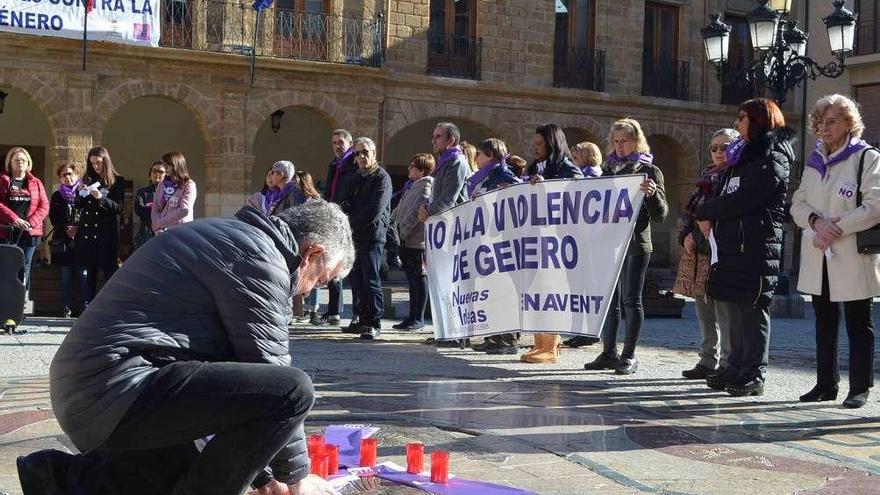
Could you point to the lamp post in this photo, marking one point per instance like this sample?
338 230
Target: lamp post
780 47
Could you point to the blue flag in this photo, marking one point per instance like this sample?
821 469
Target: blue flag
262 4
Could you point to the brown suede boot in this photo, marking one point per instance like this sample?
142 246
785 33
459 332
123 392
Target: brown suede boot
549 350
539 337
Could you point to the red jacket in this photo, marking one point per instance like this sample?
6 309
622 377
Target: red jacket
36 212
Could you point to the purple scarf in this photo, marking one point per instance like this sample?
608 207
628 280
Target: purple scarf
273 196
169 187
591 171
339 162
69 192
734 151
817 161
484 172
632 157
446 157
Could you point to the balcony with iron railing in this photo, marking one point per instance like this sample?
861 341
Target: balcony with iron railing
666 78
580 69
454 56
228 26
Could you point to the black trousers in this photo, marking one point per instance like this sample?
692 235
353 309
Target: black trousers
859 316
418 283
334 291
366 284
749 336
255 413
630 286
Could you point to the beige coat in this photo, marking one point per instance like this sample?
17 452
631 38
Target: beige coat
851 276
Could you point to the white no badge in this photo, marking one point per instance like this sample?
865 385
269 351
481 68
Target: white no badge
847 191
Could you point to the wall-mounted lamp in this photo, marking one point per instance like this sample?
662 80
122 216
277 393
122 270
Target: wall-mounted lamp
3 95
276 120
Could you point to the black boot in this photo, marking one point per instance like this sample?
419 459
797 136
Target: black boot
604 361
698 372
746 386
855 400
820 393
720 378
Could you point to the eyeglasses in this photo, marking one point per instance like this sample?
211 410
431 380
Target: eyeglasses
363 153
828 122
718 147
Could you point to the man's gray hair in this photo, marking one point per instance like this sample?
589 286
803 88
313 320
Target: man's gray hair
451 129
319 222
342 132
367 142
727 133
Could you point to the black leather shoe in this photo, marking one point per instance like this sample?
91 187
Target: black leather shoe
482 346
580 341
603 362
856 400
719 379
353 327
746 388
370 333
820 393
627 366
501 349
404 325
698 372
44 472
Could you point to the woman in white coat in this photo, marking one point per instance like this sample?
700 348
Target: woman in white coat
832 270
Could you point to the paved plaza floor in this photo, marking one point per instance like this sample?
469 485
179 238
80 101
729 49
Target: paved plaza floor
552 429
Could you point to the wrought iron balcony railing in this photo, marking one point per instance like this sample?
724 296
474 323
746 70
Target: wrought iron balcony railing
667 78
582 69
454 56
228 26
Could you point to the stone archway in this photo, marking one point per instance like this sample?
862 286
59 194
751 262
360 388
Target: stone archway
673 160
320 104
303 138
23 123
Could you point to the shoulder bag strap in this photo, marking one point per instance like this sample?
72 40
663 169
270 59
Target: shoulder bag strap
859 175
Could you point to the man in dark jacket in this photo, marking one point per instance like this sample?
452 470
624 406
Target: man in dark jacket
369 212
337 189
189 339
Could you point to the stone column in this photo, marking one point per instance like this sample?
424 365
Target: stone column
74 134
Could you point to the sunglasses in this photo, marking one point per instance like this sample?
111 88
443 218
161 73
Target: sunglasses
363 153
718 147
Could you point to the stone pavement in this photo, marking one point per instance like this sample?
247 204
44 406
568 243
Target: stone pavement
553 429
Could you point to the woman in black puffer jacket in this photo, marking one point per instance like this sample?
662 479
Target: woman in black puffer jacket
746 222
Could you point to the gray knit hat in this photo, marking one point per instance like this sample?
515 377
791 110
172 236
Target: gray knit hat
286 168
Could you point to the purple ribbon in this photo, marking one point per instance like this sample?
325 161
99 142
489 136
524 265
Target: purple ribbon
734 150
632 157
69 192
817 161
592 171
482 173
446 157
455 486
169 187
340 162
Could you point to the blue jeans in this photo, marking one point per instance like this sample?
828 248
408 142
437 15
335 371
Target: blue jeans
70 275
418 283
311 300
334 291
629 288
28 259
366 284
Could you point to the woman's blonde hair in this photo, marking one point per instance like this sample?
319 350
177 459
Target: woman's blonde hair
589 152
850 111
632 129
470 153
12 152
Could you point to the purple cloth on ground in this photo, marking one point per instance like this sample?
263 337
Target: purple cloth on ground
455 486
348 438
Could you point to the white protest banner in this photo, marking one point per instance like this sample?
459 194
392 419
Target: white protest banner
531 258
133 22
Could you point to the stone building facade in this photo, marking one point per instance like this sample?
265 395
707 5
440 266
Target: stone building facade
504 56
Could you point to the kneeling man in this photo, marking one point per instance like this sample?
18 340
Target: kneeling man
189 340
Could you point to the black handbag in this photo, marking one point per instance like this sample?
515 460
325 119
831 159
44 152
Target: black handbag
867 241
59 246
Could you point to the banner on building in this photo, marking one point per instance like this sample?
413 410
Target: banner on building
122 21
531 258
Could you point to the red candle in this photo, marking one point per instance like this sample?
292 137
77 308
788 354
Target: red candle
368 451
439 466
319 465
415 457
316 444
332 452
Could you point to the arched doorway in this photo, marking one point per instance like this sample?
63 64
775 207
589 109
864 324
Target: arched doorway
22 123
416 138
575 135
303 137
139 133
671 158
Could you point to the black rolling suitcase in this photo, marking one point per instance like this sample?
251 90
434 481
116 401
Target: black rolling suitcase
12 290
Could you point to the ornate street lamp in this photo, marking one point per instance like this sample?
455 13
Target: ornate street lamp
781 63
276 120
